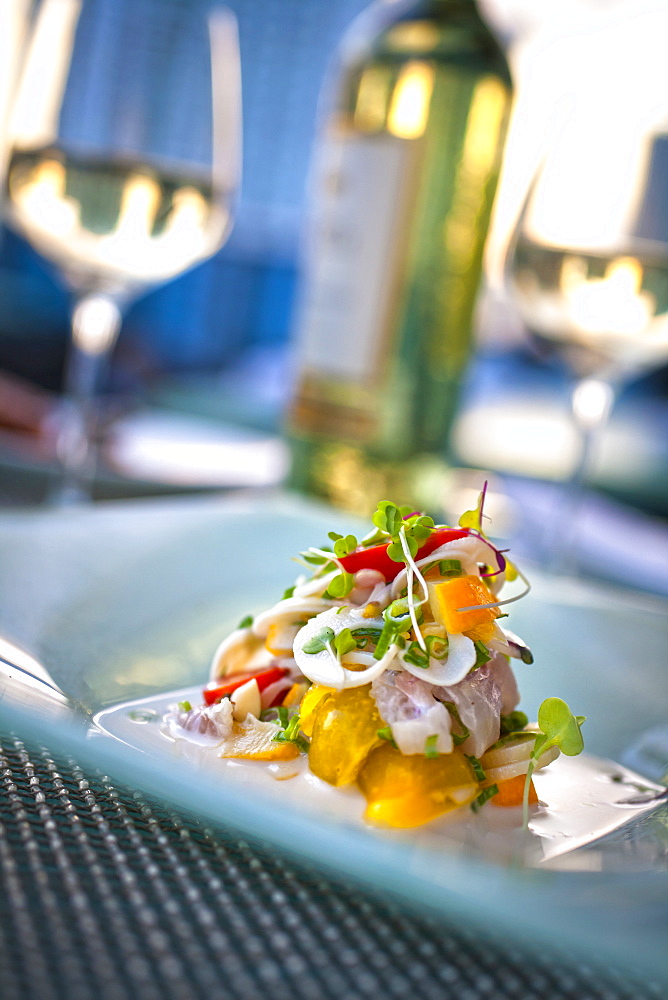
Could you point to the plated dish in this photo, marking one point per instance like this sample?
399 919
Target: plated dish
387 666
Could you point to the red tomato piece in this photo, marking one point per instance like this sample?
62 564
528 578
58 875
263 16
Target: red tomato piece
264 678
376 557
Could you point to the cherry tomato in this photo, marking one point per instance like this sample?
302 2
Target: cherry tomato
376 557
264 678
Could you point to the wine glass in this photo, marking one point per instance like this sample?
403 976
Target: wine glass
122 168
588 272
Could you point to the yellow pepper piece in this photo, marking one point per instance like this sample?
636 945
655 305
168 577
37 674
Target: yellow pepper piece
345 730
294 695
253 740
406 791
447 597
280 639
309 704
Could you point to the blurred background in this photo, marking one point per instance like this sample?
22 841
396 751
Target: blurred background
203 369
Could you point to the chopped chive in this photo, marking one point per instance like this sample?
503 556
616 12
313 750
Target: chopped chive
477 767
485 795
386 734
430 750
482 654
450 567
457 738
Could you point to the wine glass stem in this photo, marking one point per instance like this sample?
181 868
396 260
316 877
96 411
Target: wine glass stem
96 322
592 400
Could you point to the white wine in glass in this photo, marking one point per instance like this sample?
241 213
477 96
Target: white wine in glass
122 170
588 272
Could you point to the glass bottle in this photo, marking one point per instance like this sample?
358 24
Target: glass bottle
404 175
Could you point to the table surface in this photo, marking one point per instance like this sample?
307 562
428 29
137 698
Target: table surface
108 895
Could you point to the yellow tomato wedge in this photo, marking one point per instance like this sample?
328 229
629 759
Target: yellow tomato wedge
309 704
448 596
406 791
344 731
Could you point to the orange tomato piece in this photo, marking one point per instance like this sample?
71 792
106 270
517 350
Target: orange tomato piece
448 596
511 792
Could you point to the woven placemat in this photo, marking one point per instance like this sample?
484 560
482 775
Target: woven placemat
108 895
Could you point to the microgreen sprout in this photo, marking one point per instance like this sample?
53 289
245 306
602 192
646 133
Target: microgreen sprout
289 732
246 622
340 586
397 620
343 544
319 640
472 519
344 642
558 728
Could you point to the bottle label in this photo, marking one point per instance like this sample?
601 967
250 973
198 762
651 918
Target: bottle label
354 254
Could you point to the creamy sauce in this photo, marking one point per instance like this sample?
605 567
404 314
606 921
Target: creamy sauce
581 799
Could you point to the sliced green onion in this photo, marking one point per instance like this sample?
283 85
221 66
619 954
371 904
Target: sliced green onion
457 738
485 795
478 769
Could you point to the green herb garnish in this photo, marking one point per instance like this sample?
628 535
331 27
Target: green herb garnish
457 738
450 568
185 706
430 751
246 622
363 636
482 654
343 545
288 593
513 723
289 732
559 728
478 769
344 642
319 640
397 620
340 586
386 734
485 795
